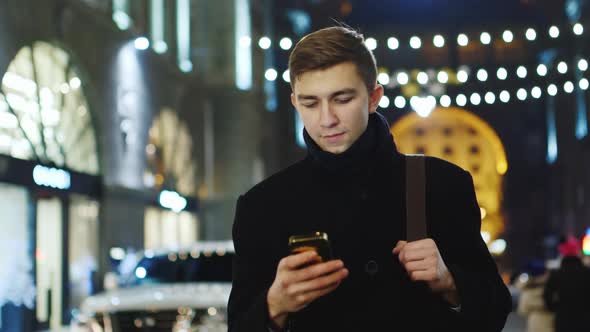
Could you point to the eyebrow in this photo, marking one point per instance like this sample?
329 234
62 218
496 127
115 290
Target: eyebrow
348 91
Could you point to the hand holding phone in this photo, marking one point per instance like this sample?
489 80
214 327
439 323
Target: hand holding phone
301 279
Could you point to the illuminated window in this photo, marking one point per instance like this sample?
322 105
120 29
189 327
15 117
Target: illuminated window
170 161
44 115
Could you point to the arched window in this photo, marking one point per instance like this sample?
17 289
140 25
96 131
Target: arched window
44 114
170 155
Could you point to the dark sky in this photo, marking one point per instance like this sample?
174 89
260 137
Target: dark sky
456 12
432 14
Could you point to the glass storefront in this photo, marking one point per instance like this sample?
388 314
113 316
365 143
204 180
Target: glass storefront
49 245
48 257
83 249
17 289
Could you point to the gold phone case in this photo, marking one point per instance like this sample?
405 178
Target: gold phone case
317 241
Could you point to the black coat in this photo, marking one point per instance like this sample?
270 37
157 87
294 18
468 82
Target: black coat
364 215
567 293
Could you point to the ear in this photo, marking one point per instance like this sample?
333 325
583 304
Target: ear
375 97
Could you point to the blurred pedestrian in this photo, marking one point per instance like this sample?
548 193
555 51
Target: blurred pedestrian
567 292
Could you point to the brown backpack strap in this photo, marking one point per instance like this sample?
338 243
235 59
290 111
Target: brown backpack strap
415 197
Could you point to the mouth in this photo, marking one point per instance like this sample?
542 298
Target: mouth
333 136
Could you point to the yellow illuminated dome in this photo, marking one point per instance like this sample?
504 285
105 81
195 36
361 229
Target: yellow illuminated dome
466 140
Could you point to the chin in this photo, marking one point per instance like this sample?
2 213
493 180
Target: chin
336 149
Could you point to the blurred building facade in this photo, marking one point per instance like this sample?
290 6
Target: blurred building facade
111 143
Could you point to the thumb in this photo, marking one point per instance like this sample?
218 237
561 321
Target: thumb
399 246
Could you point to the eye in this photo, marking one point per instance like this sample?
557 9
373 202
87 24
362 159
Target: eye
343 100
310 105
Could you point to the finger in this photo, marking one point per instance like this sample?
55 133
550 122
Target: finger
399 246
421 244
428 275
323 282
315 271
304 299
415 266
293 262
414 255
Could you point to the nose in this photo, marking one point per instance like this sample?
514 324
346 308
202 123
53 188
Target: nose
328 118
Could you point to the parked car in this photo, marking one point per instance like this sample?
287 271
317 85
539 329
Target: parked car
169 290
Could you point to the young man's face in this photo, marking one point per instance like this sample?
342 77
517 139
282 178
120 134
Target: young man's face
334 105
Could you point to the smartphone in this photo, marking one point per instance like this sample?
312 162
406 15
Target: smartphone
317 241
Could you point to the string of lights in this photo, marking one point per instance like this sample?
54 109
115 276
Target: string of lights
474 98
431 87
489 97
461 76
438 40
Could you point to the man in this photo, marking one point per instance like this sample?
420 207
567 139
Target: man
352 187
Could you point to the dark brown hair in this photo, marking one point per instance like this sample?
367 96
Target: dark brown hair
331 46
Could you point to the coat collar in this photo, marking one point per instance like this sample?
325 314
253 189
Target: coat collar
375 145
